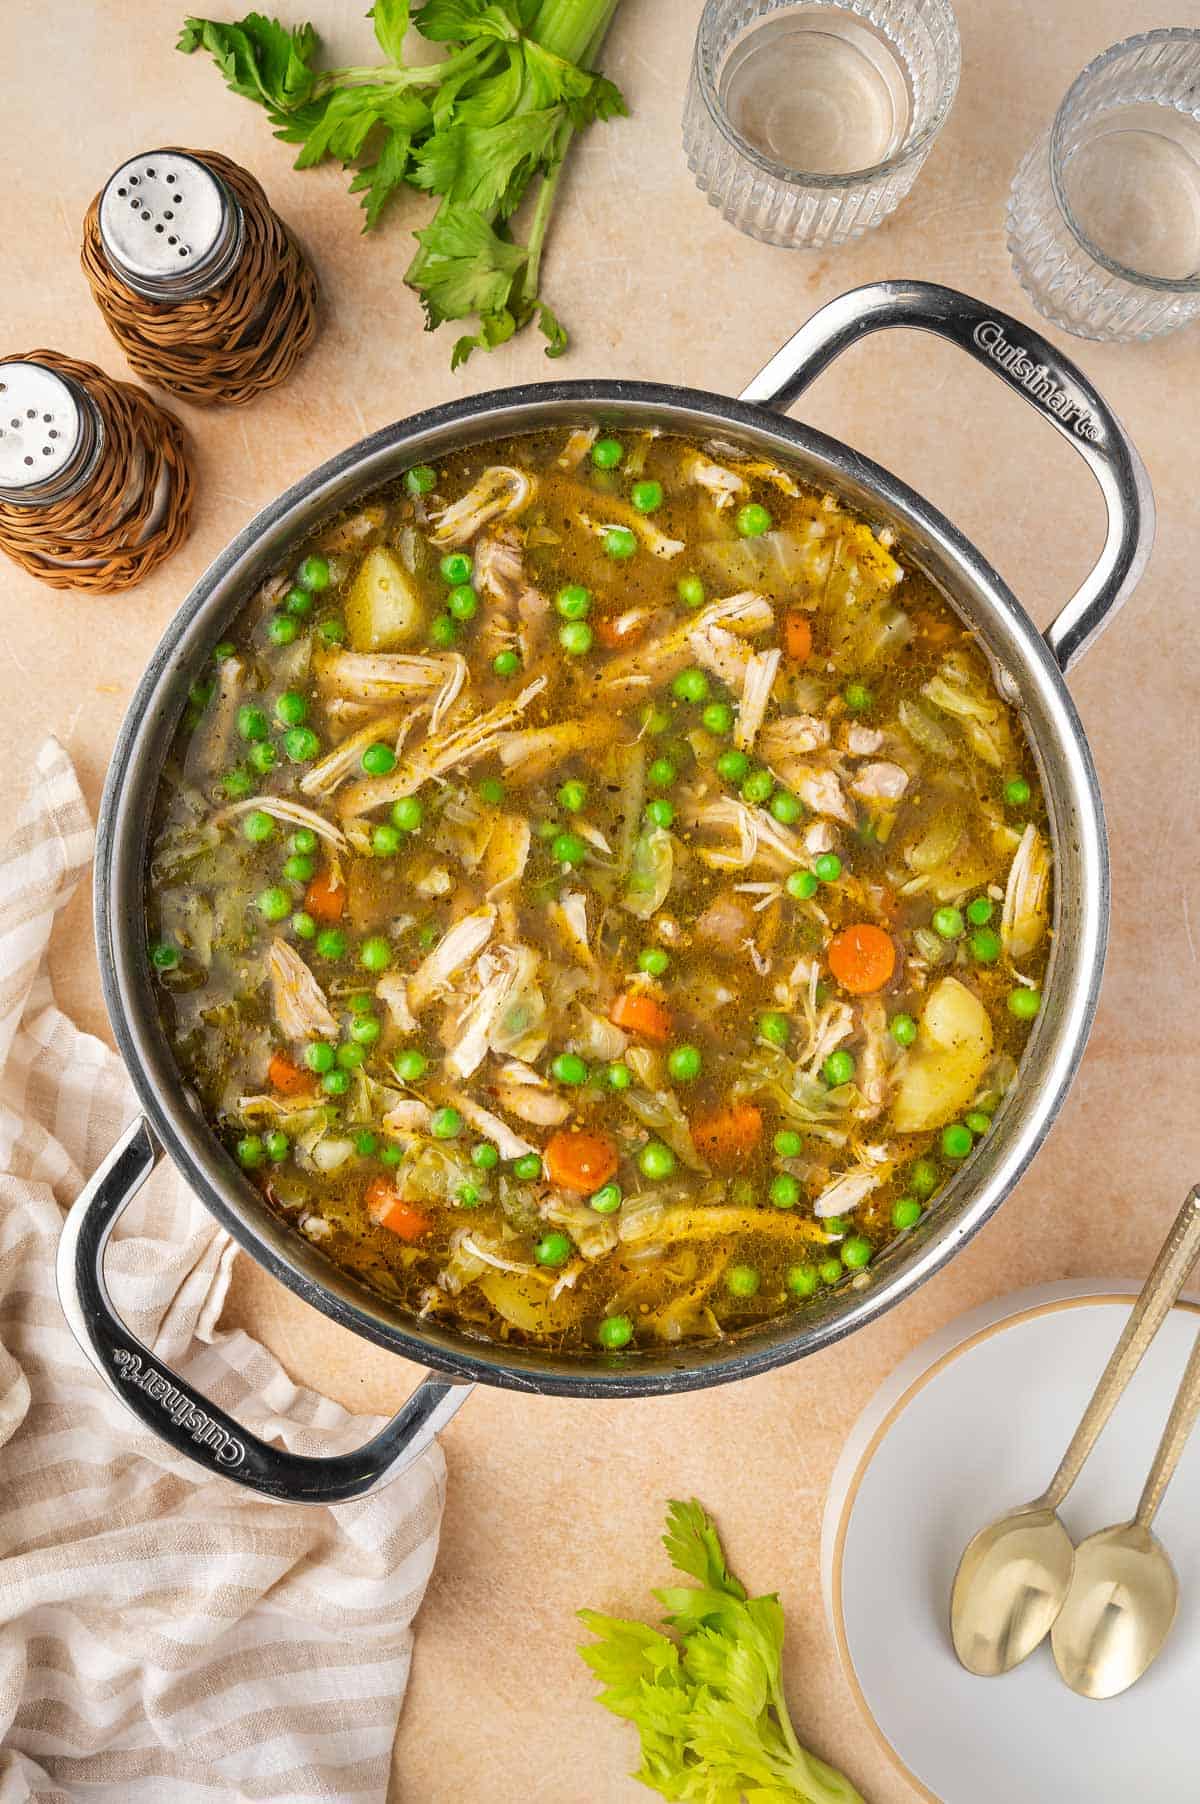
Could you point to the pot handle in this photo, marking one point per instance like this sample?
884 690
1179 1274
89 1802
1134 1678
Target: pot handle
1031 365
168 1405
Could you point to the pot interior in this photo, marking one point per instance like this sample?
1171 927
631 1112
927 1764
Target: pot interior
1024 671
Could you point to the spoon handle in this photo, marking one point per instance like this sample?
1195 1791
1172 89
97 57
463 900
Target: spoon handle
1180 1423
1167 1278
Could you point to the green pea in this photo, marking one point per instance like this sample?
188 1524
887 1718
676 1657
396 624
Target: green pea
830 1270
985 945
528 1168
569 1068
319 1056
948 922
332 631
1024 1004
301 744
838 1069
378 759
410 1065
386 840
237 783
366 1143
802 1280
467 1196
619 1077
250 1151
331 942
828 867
758 786
606 1200
654 719
568 848
977 1121
407 814
573 602
661 774
335 1083
717 718
455 568
252 723
619 543
742 1281
462 602
258 827
656 1160
282 629
575 637
445 1124
957 1140
420 480
278 1145
690 686
303 840
365 1030
774 1028
314 573
690 591
291 708
857 697
786 807
834 1225
607 453
375 954
1017 792
226 649
303 925
923 1178
646 496
428 936
298 601
732 766
653 960
484 1156
660 813
361 1003
615 1331
785 1190
443 631
788 1144
801 884
164 956
980 911
299 870
391 1154
906 1213
903 1029
506 663
856 1253
350 1056
753 520
684 1063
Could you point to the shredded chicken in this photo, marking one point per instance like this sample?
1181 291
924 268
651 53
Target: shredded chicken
844 1195
508 1143
501 490
324 777
392 991
862 742
579 443
659 657
757 838
457 947
381 676
756 693
463 746
879 783
282 809
795 736
621 514
525 1093
723 485
530 753
1025 915
296 997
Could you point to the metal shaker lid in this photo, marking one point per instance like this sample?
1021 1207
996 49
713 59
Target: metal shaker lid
169 226
50 434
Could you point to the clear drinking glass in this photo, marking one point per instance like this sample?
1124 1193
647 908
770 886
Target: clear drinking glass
1104 213
807 124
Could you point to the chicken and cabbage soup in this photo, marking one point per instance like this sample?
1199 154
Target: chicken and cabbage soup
597 892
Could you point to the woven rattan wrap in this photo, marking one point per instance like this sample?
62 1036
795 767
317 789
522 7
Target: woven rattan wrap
97 522
228 345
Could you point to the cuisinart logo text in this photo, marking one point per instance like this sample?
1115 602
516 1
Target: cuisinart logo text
1035 379
182 1411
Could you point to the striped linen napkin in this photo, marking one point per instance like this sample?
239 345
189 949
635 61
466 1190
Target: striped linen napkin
164 1637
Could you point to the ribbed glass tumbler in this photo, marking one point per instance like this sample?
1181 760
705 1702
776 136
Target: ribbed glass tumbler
1104 213
806 125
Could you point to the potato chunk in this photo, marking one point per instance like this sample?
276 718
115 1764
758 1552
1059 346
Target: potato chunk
953 1046
383 609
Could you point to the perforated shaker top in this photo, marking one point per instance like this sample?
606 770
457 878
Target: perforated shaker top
49 434
170 227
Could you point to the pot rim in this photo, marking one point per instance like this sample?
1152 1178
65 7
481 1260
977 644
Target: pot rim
1027 674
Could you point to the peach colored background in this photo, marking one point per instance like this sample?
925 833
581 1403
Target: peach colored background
553 1504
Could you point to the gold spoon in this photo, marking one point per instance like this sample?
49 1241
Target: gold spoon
1015 1574
1123 1595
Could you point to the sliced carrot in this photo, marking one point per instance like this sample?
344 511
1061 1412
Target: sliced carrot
324 898
388 1209
640 1014
288 1079
580 1160
862 957
797 636
726 1135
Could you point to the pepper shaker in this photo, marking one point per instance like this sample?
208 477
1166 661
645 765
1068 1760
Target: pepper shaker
199 280
95 488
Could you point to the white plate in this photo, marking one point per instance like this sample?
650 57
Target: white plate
973 1423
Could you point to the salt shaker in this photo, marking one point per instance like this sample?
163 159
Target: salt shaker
95 488
199 280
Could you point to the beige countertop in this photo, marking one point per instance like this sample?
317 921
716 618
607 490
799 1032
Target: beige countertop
555 1504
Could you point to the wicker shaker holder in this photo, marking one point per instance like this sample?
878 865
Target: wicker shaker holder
200 282
95 488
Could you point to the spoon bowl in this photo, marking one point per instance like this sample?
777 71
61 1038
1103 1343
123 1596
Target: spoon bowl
1119 1611
1011 1584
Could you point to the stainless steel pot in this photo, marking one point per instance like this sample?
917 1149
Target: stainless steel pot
1029 668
